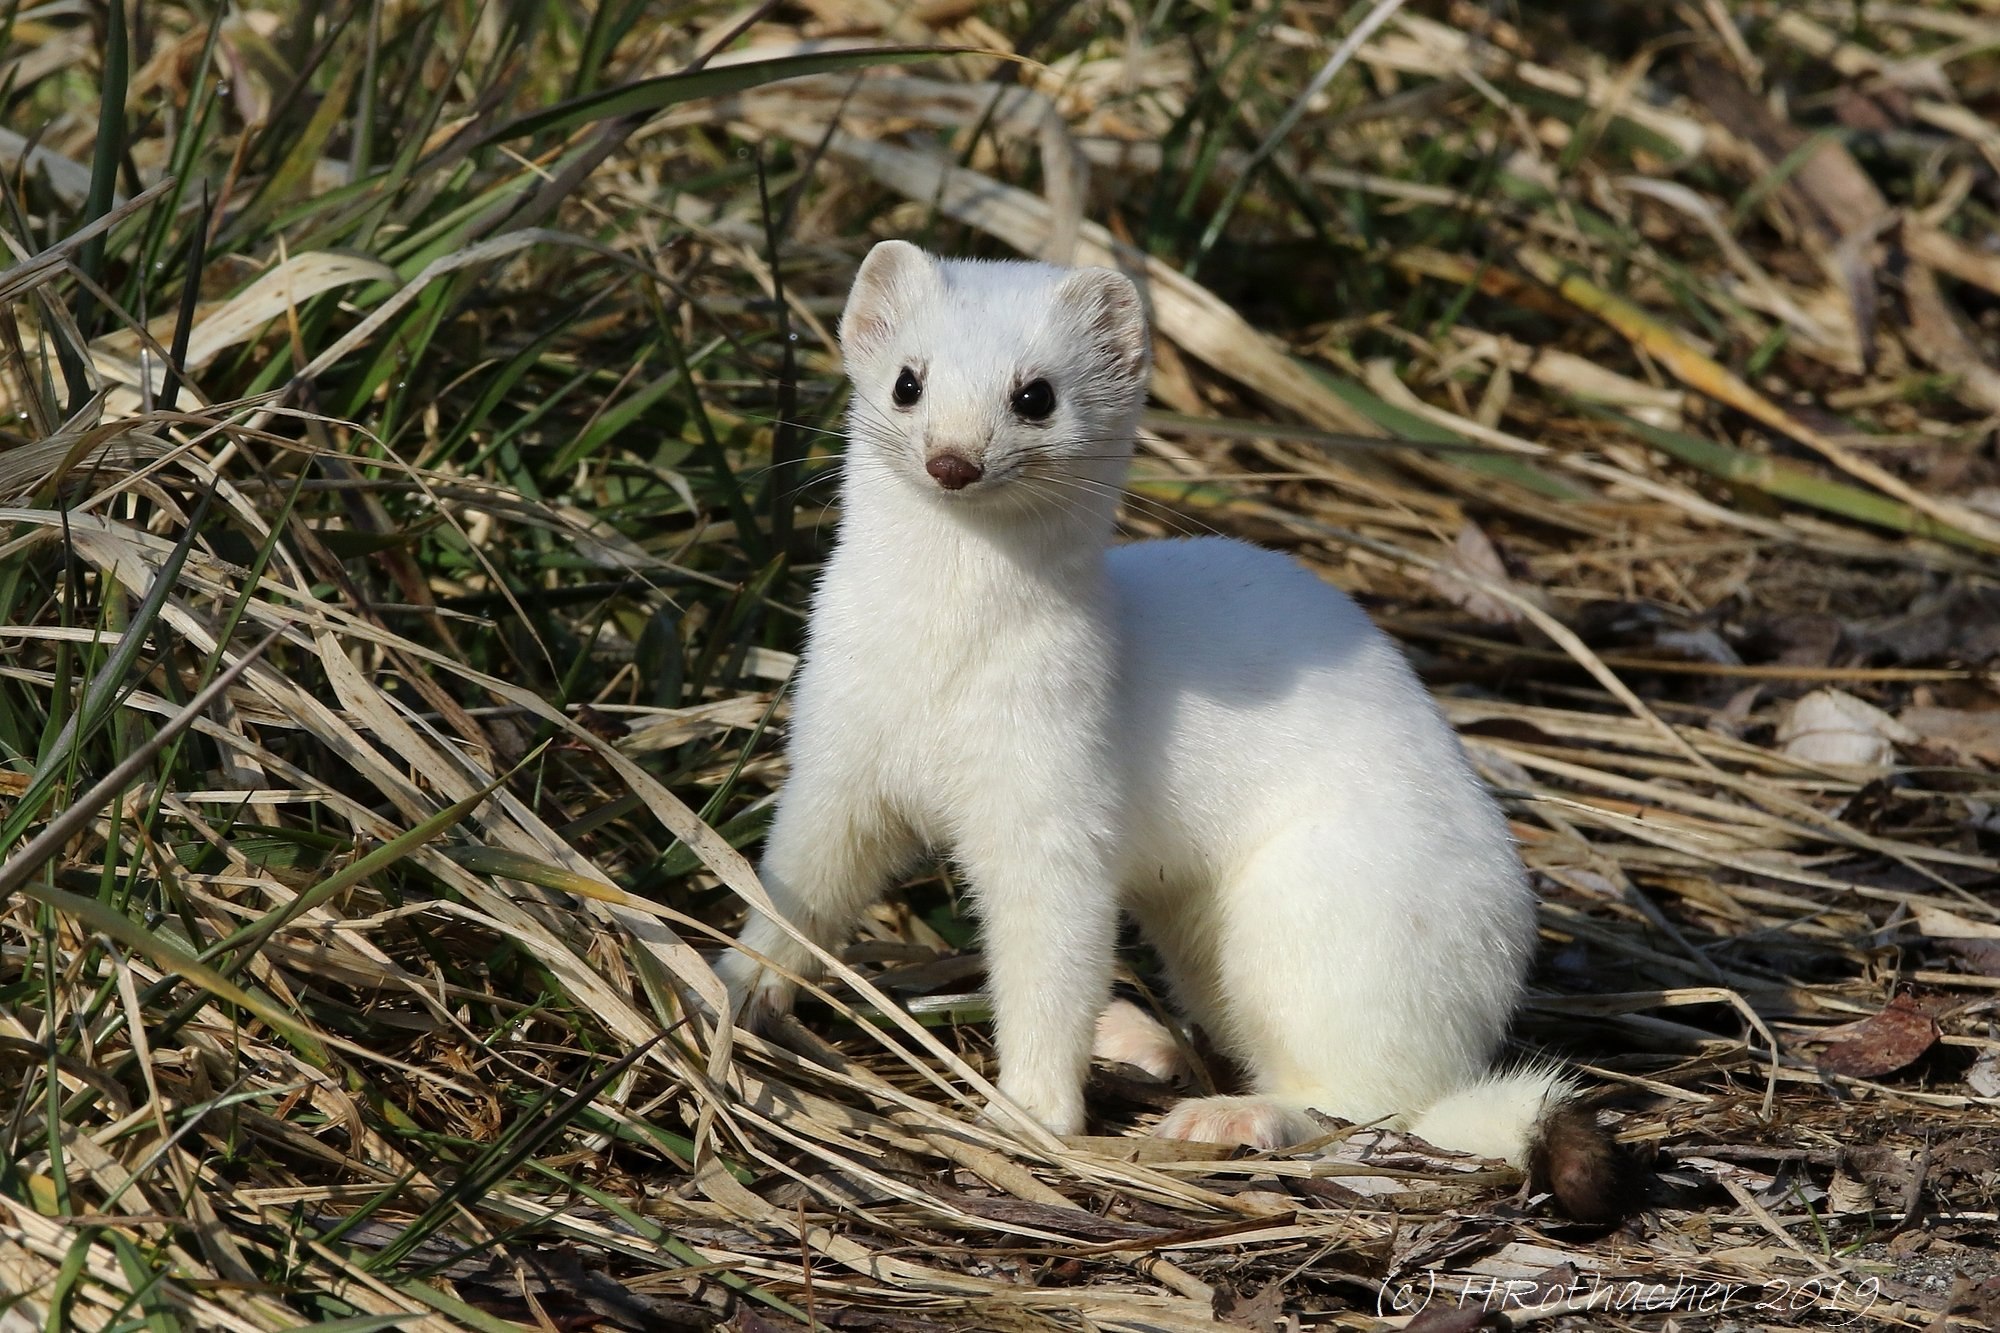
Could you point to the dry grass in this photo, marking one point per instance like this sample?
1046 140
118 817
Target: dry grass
1636 367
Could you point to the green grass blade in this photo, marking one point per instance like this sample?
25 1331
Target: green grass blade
191 270
1407 425
63 1291
244 942
1784 480
106 156
17 872
100 697
109 150
646 96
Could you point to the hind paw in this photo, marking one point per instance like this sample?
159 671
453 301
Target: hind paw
1251 1121
1127 1034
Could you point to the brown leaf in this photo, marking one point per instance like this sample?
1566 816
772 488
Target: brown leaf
1974 736
1474 557
1260 1311
1858 111
1979 957
1804 639
1975 955
1961 625
1882 1044
1979 1298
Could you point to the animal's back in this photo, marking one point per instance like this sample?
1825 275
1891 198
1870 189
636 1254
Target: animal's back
1333 889
1252 693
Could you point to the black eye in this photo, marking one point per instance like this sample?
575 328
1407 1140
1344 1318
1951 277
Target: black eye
1034 400
908 388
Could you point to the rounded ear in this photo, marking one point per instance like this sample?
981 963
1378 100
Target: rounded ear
893 275
1110 311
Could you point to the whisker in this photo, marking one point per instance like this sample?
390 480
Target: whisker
1185 524
794 424
831 474
763 470
1039 486
1050 483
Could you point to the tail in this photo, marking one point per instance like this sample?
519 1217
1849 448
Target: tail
1529 1118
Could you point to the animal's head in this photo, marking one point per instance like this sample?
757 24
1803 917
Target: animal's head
1000 385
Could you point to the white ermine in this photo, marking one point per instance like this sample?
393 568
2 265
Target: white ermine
1200 733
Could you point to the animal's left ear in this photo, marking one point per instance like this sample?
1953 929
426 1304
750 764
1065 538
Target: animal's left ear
891 279
1109 309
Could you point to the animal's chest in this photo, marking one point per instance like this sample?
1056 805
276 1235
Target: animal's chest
962 736
949 720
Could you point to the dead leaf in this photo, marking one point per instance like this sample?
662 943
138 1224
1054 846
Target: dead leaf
1984 1075
1973 736
1961 625
1882 1044
1833 727
1261 1311
1474 559
1978 1299
1804 639
1842 212
1978 957
1973 945
1858 111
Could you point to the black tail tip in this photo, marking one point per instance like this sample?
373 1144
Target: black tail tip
1593 1179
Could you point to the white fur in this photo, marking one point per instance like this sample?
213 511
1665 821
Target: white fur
1199 732
1495 1116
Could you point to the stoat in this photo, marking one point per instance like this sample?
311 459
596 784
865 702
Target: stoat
1200 733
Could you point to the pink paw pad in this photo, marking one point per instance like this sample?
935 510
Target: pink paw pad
1250 1121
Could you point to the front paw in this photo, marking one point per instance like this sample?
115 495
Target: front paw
1057 1110
757 995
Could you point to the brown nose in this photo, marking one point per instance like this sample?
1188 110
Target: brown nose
952 471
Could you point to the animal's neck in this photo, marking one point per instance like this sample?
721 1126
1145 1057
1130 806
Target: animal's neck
972 554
